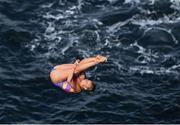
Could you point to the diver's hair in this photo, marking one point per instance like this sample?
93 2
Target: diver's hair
93 87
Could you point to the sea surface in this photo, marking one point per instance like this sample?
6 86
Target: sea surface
140 83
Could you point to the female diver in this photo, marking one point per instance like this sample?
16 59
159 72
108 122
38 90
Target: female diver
72 78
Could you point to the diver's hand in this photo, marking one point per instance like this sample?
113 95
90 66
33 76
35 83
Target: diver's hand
76 65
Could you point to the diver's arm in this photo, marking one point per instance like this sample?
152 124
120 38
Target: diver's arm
70 76
76 87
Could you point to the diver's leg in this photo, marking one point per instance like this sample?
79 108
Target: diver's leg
70 66
87 60
85 66
65 66
92 59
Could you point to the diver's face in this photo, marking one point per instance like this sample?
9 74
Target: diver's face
86 84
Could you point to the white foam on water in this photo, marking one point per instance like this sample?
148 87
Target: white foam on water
113 28
112 1
174 67
146 69
52 34
56 17
150 2
97 21
106 42
131 1
97 34
120 66
154 70
147 54
144 23
175 4
169 31
141 70
50 28
69 12
80 4
47 5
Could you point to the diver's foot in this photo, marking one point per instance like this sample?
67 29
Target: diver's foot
101 59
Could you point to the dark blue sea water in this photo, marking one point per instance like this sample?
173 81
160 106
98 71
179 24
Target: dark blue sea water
140 83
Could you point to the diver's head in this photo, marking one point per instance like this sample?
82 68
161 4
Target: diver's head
87 85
